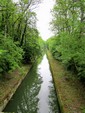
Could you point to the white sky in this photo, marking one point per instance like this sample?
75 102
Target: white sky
44 17
15 0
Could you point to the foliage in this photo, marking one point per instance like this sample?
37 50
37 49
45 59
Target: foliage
41 45
68 43
11 54
53 45
19 38
71 51
33 47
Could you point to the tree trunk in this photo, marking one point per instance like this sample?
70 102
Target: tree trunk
23 34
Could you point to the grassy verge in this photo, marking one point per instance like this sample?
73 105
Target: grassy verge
9 86
71 93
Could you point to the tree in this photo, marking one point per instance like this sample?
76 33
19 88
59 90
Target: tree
19 37
68 24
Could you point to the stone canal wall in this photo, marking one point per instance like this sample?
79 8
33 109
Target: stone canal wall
7 96
69 90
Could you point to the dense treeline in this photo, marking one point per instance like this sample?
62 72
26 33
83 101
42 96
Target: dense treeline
68 44
19 38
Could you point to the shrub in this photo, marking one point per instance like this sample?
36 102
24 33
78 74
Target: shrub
31 50
10 56
70 49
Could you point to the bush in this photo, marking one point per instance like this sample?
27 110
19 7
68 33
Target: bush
10 56
73 54
70 49
31 50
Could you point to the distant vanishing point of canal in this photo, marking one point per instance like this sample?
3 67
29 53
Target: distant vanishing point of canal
36 94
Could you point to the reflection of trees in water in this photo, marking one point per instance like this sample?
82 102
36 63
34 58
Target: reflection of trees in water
53 103
25 99
29 101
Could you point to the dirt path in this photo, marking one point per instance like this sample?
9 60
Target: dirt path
71 93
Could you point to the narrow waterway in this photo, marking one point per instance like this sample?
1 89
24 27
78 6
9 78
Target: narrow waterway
36 94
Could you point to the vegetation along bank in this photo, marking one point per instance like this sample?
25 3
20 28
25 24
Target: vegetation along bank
20 43
68 49
70 91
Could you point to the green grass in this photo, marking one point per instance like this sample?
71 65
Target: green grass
71 93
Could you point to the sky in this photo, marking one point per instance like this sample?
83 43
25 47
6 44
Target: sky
44 18
15 0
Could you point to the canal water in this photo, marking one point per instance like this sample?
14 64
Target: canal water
36 94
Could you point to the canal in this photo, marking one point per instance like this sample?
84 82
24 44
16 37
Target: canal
36 94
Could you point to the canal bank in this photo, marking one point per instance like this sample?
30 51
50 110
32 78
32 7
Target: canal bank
36 94
9 86
70 92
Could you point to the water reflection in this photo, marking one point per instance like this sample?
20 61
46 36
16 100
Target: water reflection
25 99
46 104
53 104
36 94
